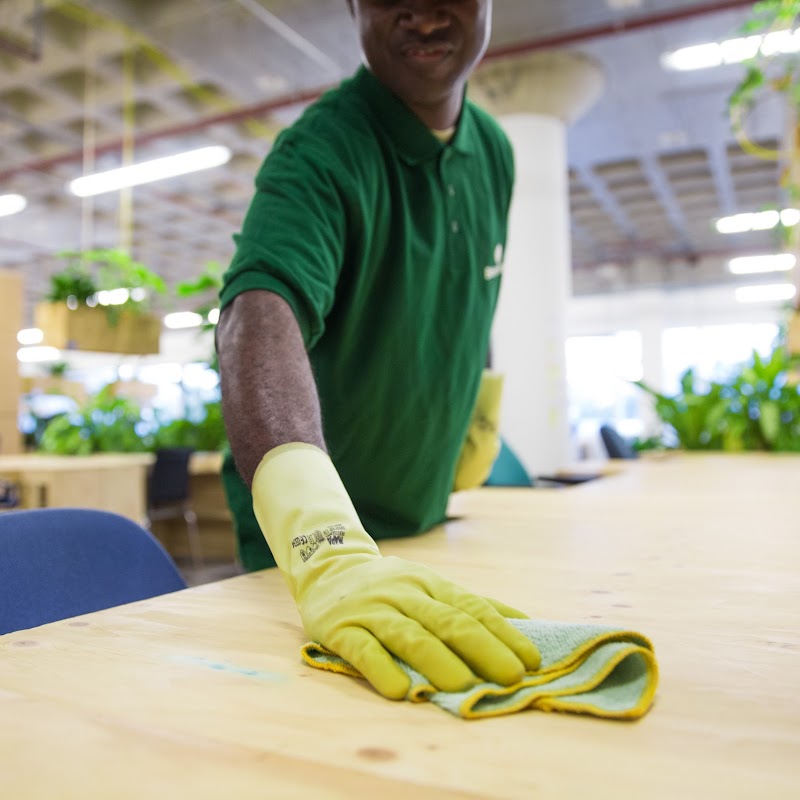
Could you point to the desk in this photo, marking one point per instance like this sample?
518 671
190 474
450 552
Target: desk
110 482
201 694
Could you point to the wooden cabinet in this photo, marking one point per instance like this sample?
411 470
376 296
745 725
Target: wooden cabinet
11 290
109 482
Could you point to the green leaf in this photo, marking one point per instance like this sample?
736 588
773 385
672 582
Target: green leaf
770 421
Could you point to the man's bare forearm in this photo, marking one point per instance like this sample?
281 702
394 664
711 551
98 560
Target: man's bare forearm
269 396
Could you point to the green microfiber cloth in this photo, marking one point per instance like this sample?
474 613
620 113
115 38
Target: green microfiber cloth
585 669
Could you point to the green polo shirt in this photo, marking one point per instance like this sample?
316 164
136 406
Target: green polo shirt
388 246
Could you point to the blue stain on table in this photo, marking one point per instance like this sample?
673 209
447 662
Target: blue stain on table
229 669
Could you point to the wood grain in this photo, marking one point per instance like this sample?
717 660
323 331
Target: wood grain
202 694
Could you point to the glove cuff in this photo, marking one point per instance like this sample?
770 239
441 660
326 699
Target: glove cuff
306 514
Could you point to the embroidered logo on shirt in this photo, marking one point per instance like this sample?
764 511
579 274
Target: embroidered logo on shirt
496 269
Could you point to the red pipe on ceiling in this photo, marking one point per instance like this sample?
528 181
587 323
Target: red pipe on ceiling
614 28
286 101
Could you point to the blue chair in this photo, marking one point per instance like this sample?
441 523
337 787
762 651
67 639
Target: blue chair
168 494
61 562
615 445
508 470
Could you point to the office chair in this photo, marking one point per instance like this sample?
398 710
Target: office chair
57 563
168 494
615 445
9 494
508 470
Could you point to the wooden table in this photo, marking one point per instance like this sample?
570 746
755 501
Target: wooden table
202 694
108 481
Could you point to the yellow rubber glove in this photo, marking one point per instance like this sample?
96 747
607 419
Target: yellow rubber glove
482 444
365 607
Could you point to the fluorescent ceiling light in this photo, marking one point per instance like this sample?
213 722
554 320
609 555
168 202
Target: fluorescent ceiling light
34 355
183 319
11 204
29 336
150 171
699 56
758 221
751 265
768 293
213 316
113 297
790 217
732 51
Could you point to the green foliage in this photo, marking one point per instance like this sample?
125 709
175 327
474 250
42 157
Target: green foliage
109 424
770 14
58 369
783 73
75 280
205 433
105 424
206 288
758 408
209 281
90 271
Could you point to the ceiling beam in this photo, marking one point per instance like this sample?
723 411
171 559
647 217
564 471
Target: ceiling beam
258 110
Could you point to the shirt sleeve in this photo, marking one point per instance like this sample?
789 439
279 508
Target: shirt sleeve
292 241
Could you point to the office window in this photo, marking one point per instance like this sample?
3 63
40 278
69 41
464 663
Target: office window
713 351
599 374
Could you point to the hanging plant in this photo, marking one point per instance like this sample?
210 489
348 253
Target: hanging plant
206 288
764 73
75 316
89 272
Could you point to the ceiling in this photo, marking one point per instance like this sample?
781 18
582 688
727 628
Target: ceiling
85 84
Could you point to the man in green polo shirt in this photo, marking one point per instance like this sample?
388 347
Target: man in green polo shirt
359 303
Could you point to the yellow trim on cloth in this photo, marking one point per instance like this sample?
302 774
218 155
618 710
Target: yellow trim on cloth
585 669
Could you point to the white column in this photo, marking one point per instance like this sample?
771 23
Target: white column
535 97
530 327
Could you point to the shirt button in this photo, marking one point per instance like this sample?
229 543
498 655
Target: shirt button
454 226
451 190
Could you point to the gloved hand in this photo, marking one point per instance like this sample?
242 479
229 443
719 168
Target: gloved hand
365 607
482 445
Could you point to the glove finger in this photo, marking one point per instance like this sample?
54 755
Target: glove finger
473 636
410 640
492 618
370 658
504 610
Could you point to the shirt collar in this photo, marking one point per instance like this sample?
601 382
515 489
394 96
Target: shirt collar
414 141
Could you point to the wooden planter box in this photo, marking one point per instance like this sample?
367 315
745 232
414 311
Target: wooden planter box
793 333
89 329
47 384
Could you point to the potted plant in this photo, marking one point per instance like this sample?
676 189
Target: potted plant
203 430
104 424
756 408
74 316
